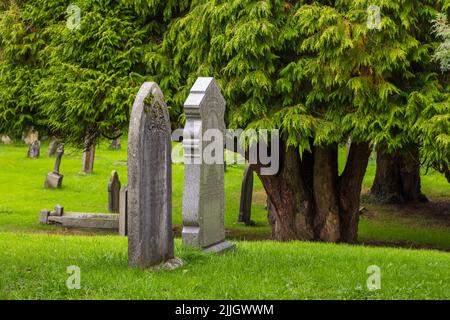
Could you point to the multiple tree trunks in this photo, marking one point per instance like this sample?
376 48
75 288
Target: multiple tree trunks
308 200
397 179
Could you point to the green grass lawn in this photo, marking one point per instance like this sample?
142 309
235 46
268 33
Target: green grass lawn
33 266
34 257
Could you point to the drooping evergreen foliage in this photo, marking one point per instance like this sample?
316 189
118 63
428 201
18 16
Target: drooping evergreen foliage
320 74
314 69
78 81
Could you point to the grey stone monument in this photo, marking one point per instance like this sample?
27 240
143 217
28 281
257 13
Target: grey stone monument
123 211
115 143
204 192
150 234
114 192
34 150
245 209
54 179
52 147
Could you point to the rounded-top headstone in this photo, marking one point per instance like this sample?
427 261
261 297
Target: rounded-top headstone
150 235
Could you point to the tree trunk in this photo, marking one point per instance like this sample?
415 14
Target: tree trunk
397 178
326 219
307 200
350 184
290 201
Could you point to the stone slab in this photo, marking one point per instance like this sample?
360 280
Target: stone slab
86 220
220 247
53 180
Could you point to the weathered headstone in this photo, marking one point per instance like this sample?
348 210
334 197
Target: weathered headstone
43 216
115 143
34 150
5 139
114 192
54 179
52 147
150 234
204 193
245 209
58 211
88 156
123 211
30 136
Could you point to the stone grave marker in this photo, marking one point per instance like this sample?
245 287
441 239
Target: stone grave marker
54 178
114 192
30 136
150 234
204 192
34 150
52 147
5 139
123 211
245 209
115 143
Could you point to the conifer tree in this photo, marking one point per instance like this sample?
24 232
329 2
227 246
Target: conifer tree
316 71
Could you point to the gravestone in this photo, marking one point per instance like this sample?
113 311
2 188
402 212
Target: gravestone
204 193
34 150
123 211
150 235
114 192
115 143
5 139
30 136
54 178
52 147
88 156
245 209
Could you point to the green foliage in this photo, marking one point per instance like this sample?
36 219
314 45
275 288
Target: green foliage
315 70
82 81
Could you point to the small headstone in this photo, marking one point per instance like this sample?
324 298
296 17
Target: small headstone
52 147
58 211
115 144
31 136
43 216
150 234
34 150
5 139
204 192
114 192
245 209
88 157
54 179
123 211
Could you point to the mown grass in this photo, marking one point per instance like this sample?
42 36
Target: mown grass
33 260
34 266
22 196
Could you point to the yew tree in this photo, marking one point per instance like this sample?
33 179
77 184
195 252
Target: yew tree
94 68
320 74
21 65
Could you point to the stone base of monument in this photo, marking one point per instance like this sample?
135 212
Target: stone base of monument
220 247
53 180
80 220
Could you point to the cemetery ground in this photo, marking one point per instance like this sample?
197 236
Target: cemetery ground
411 244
